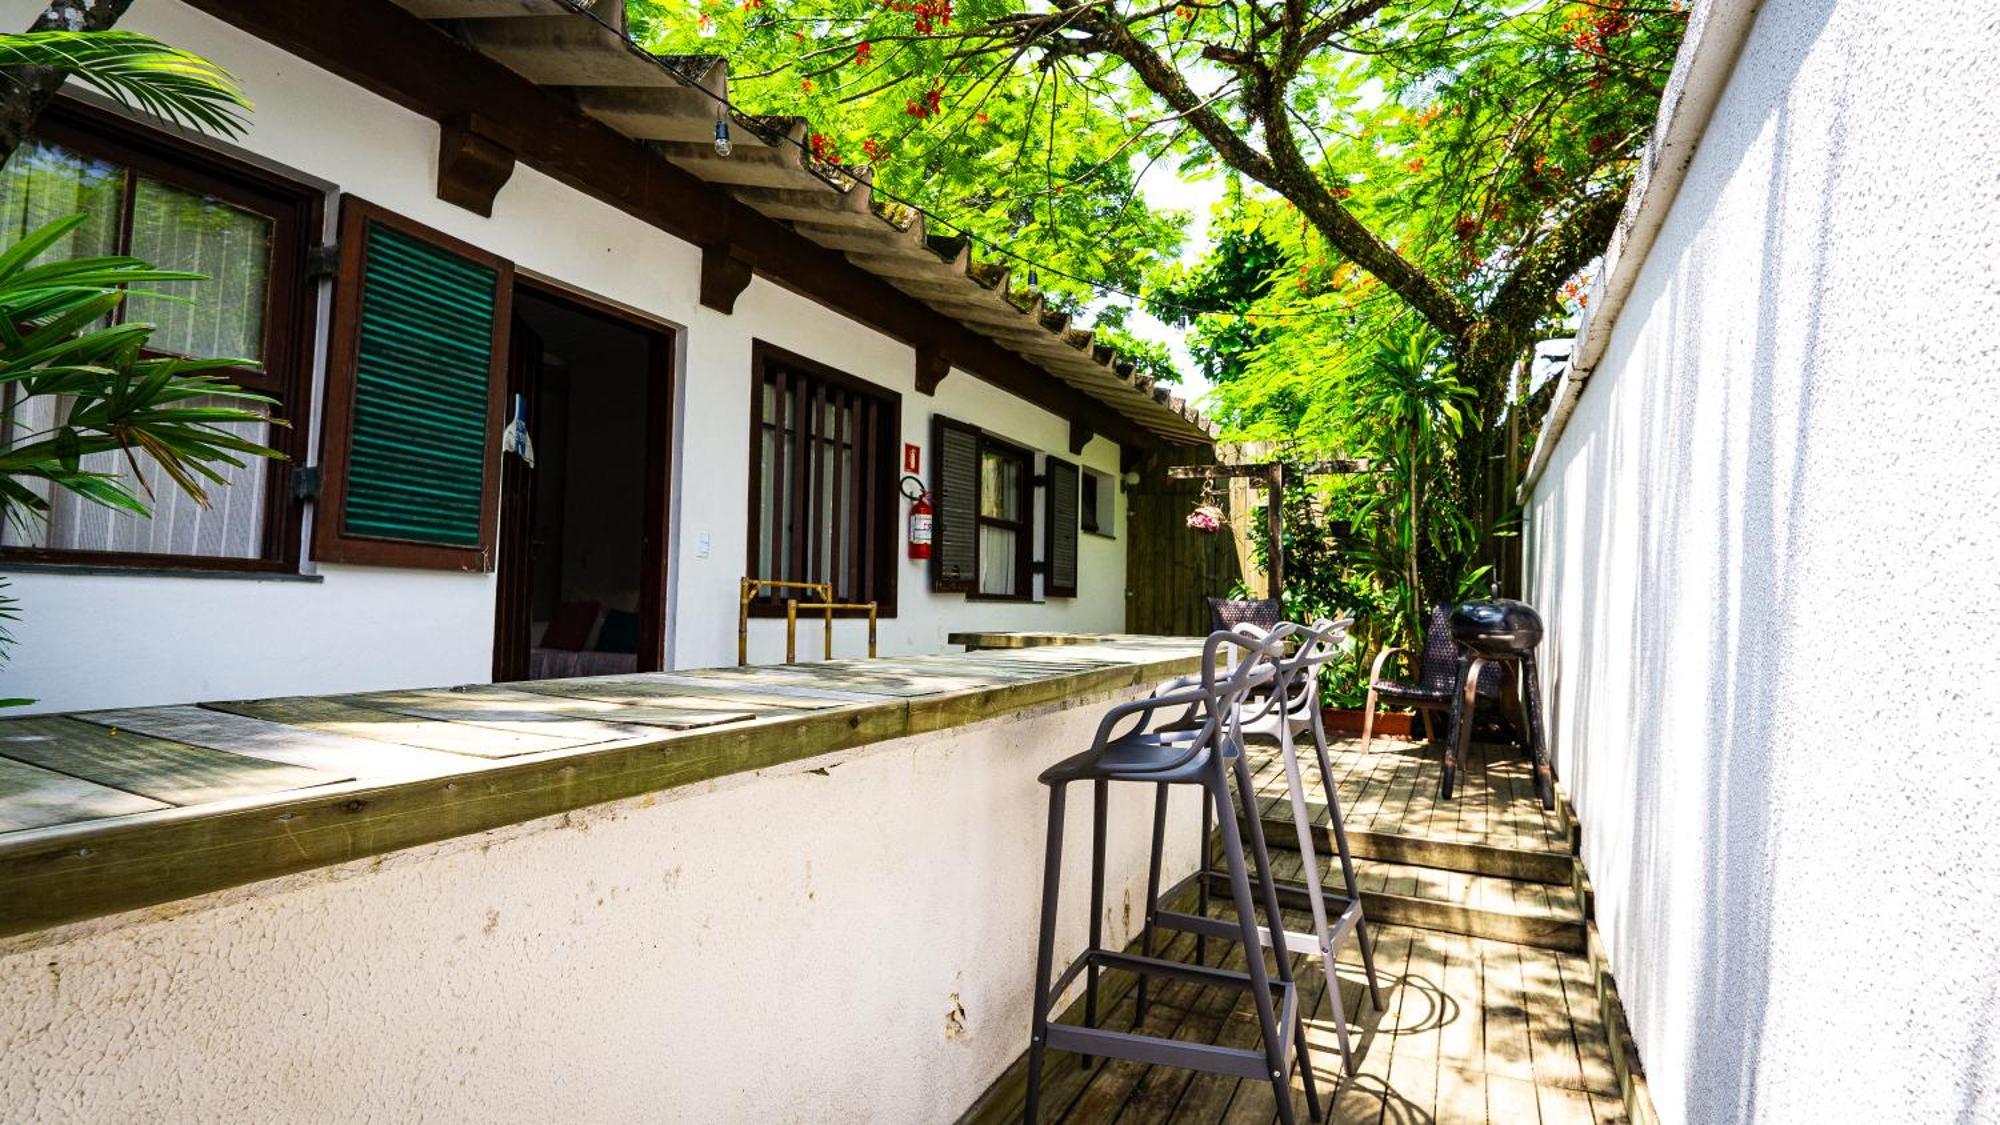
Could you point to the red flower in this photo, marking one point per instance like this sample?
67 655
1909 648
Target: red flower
931 14
928 105
861 53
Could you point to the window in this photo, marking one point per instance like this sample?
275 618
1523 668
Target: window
982 489
1100 498
823 474
178 206
1005 507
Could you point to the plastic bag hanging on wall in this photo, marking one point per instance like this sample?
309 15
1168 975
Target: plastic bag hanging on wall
514 439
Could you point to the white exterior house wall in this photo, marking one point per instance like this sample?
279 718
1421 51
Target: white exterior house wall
850 938
1766 549
122 640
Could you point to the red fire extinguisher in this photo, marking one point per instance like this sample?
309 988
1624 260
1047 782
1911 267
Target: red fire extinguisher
920 518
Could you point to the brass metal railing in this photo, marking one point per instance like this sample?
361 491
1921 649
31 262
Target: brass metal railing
747 593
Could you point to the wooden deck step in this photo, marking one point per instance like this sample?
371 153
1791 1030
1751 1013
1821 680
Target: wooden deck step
1546 916
1388 798
1464 856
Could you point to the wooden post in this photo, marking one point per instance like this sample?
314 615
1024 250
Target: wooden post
1274 523
791 630
1512 569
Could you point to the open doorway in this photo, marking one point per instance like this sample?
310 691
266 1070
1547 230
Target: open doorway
582 567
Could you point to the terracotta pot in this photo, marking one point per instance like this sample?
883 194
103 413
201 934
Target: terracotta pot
1348 720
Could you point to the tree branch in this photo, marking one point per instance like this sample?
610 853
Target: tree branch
1282 168
1530 286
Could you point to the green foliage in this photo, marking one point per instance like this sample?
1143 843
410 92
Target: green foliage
1467 138
1406 541
1212 301
1320 579
1417 190
1024 157
1148 357
1411 530
138 71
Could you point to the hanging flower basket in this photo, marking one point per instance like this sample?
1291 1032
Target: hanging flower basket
1206 518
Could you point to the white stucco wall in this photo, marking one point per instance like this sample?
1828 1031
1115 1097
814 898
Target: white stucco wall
1760 546
95 641
852 945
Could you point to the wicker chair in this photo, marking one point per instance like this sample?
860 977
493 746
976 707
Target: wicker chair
1225 615
1437 680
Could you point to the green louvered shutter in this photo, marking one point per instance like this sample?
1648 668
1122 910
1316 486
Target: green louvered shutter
413 423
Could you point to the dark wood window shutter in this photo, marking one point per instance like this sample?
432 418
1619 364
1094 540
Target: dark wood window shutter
1060 535
955 496
415 382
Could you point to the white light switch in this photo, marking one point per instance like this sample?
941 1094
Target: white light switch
701 545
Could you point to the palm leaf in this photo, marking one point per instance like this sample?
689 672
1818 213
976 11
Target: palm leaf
137 71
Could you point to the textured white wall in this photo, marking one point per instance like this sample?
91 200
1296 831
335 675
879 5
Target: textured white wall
1760 546
88 641
856 945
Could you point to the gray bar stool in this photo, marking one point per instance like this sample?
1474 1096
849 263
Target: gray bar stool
1288 705
1205 755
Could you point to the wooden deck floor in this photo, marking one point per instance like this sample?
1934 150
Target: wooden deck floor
1393 788
1475 1029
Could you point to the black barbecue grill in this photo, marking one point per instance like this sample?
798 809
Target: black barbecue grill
1498 631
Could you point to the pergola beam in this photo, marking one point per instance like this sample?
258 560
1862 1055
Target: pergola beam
1264 470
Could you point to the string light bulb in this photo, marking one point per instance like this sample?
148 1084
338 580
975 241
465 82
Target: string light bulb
722 145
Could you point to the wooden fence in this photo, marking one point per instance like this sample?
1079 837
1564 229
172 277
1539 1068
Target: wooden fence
1169 567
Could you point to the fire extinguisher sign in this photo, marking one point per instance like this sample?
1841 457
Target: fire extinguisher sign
913 458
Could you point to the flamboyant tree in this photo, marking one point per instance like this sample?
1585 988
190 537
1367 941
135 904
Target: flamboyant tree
1453 161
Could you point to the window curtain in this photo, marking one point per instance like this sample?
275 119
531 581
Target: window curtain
999 498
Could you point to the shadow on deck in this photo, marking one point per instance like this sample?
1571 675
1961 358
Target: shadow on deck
1477 907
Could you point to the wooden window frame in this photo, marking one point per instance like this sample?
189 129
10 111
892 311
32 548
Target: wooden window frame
1107 502
330 543
296 210
880 525
1024 529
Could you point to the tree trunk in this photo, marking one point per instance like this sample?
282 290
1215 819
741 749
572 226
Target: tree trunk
25 91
